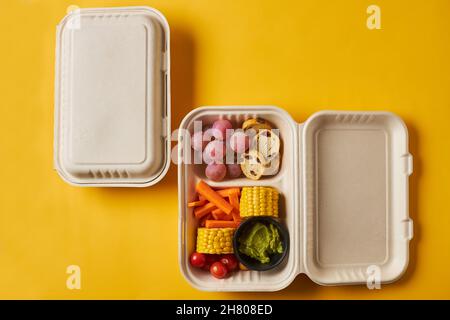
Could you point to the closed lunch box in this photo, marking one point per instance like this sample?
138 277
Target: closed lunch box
112 97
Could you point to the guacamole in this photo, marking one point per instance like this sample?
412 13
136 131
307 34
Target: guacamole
259 241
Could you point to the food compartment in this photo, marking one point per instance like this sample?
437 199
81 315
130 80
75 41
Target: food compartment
207 121
356 169
284 181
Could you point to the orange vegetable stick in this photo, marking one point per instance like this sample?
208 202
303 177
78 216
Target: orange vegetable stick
218 214
202 221
203 211
229 191
196 203
235 203
212 196
221 224
236 216
224 193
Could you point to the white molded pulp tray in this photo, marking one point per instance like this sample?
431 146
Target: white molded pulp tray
112 97
344 198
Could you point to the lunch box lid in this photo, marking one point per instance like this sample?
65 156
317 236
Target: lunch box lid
112 97
355 214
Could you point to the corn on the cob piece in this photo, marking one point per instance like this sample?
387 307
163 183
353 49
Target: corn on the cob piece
215 240
259 201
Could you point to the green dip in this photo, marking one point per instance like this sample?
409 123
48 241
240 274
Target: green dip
260 241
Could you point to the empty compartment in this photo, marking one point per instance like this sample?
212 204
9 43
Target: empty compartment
356 167
285 181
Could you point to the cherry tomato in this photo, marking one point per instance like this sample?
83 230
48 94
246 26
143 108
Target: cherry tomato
218 270
210 259
230 261
198 260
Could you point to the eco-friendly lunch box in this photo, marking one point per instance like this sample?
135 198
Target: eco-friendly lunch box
344 198
343 177
112 97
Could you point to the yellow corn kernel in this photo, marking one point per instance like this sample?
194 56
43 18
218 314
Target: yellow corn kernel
259 201
214 240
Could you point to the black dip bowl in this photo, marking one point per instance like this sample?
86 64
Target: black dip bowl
252 263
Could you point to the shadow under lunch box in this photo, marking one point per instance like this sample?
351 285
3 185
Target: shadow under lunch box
343 176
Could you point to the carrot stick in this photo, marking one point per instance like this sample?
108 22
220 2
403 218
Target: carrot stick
224 193
228 217
221 224
235 203
203 211
202 221
236 216
212 196
218 214
229 191
196 203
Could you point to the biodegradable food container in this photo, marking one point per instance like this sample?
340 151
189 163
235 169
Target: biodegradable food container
343 177
112 97
344 198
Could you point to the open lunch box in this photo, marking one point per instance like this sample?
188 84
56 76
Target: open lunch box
342 177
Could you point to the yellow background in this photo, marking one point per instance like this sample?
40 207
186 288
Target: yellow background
303 56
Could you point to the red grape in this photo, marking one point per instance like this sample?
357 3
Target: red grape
214 152
213 134
234 170
216 171
222 126
239 142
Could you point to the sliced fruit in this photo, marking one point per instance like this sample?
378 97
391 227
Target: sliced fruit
267 143
256 124
253 164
